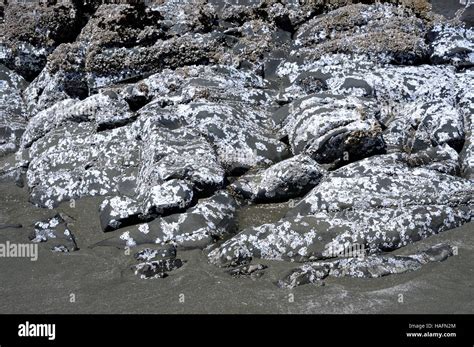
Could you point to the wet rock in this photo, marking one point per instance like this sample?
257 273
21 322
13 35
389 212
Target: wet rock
12 110
367 267
423 125
159 106
381 203
242 136
306 274
287 179
60 249
467 154
74 160
56 229
106 110
119 211
13 169
180 154
384 181
156 269
147 254
200 226
442 158
252 271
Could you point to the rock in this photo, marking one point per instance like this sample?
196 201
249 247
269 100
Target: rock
452 45
32 30
156 269
60 249
12 110
423 125
442 158
13 169
333 129
252 271
367 267
242 136
211 219
120 211
381 202
107 110
170 110
74 160
162 253
467 154
195 83
58 230
287 179
362 29
384 181
305 274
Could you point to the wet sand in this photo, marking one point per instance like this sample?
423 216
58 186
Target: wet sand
101 281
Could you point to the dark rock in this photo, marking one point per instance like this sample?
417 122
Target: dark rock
253 271
333 129
452 45
147 254
56 229
200 226
367 267
156 269
381 203
362 29
12 110
32 30
287 179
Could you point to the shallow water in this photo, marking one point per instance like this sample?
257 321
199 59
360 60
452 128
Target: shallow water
100 280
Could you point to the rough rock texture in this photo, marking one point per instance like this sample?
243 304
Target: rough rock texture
210 220
32 30
365 267
382 203
156 262
56 230
362 29
333 128
178 113
12 110
288 179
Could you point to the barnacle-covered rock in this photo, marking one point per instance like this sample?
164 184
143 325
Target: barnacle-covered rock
362 29
33 29
382 203
157 268
332 129
209 220
421 125
12 110
385 181
364 267
106 110
287 179
56 230
452 45
320 236
73 161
